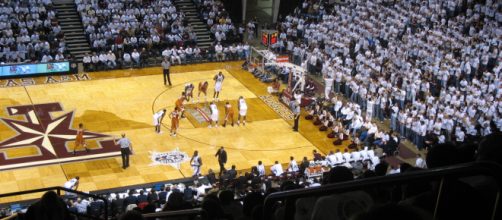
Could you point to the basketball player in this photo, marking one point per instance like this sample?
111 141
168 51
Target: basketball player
202 89
157 120
218 81
214 115
189 92
243 110
175 121
179 104
196 163
229 114
79 139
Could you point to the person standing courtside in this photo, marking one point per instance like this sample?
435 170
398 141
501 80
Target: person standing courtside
222 158
165 66
125 150
296 112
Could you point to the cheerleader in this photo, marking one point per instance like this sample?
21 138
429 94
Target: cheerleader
202 89
229 114
196 163
313 112
297 95
335 129
218 81
175 121
327 122
214 115
243 110
79 139
321 117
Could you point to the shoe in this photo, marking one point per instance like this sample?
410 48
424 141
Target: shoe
216 126
209 126
243 123
232 124
224 125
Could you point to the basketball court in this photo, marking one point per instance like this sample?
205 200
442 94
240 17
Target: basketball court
39 121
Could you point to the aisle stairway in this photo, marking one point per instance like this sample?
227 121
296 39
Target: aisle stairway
71 25
201 30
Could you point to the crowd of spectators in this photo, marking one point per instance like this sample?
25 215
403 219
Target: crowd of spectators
218 21
139 33
30 32
132 32
431 67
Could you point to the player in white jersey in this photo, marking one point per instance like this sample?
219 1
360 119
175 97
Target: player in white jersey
243 110
157 120
214 115
196 163
218 81
189 92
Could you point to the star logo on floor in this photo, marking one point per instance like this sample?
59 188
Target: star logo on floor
49 136
172 158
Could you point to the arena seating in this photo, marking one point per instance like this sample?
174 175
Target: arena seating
132 34
30 32
432 69
219 22
406 49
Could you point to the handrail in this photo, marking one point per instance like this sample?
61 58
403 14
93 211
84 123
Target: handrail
58 190
462 170
195 211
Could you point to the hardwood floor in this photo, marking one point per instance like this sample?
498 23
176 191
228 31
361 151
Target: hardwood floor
123 101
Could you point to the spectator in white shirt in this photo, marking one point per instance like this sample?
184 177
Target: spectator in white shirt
293 166
111 60
86 60
420 162
261 168
136 57
127 59
220 56
276 169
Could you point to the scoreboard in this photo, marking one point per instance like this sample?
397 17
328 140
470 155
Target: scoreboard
269 37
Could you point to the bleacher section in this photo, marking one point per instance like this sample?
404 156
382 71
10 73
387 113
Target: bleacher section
204 40
30 32
66 12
